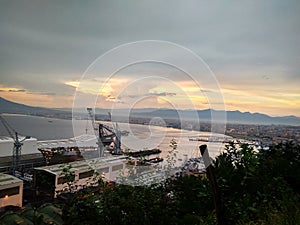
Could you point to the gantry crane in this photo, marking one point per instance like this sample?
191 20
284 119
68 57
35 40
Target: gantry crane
17 144
117 139
105 135
99 141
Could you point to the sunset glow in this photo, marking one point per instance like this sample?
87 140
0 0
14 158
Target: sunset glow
252 53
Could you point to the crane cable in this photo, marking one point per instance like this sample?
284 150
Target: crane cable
8 128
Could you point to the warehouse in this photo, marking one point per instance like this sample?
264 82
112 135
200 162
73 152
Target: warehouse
56 179
11 191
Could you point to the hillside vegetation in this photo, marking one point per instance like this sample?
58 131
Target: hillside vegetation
256 188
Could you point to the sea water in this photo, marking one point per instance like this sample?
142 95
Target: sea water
140 136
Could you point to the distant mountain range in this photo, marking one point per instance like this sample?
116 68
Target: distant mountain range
16 108
204 115
232 116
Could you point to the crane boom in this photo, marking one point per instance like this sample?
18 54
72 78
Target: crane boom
92 118
8 128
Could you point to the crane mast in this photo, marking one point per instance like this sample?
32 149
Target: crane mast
17 144
99 141
16 153
118 140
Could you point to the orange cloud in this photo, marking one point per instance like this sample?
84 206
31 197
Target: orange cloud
26 97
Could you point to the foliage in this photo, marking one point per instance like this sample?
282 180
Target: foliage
255 182
43 215
257 187
178 201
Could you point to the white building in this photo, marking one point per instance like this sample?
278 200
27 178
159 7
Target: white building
56 179
82 141
7 144
11 190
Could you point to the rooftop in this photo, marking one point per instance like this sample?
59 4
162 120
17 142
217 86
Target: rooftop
82 140
9 139
83 165
8 179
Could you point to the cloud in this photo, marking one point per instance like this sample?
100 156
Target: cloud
18 90
249 45
161 94
43 93
11 89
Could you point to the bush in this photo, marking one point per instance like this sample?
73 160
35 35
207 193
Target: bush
257 187
254 183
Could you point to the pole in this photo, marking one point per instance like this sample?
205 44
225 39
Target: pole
214 186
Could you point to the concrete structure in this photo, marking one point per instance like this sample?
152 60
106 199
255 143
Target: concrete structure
11 190
71 177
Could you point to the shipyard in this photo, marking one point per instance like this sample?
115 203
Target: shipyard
98 151
149 112
29 160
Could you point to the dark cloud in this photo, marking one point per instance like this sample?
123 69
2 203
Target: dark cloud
162 94
43 93
28 92
13 90
45 43
18 90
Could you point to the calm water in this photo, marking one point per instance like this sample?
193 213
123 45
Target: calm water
39 127
140 137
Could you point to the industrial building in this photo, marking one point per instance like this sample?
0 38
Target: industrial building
11 191
56 179
29 146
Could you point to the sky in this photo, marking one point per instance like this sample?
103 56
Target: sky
252 48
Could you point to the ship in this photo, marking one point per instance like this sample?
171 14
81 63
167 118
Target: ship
138 157
143 153
68 150
61 155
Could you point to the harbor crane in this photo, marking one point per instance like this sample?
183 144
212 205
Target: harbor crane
117 133
105 135
17 144
99 141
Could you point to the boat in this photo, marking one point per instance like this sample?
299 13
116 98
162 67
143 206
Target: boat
220 139
143 153
154 160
